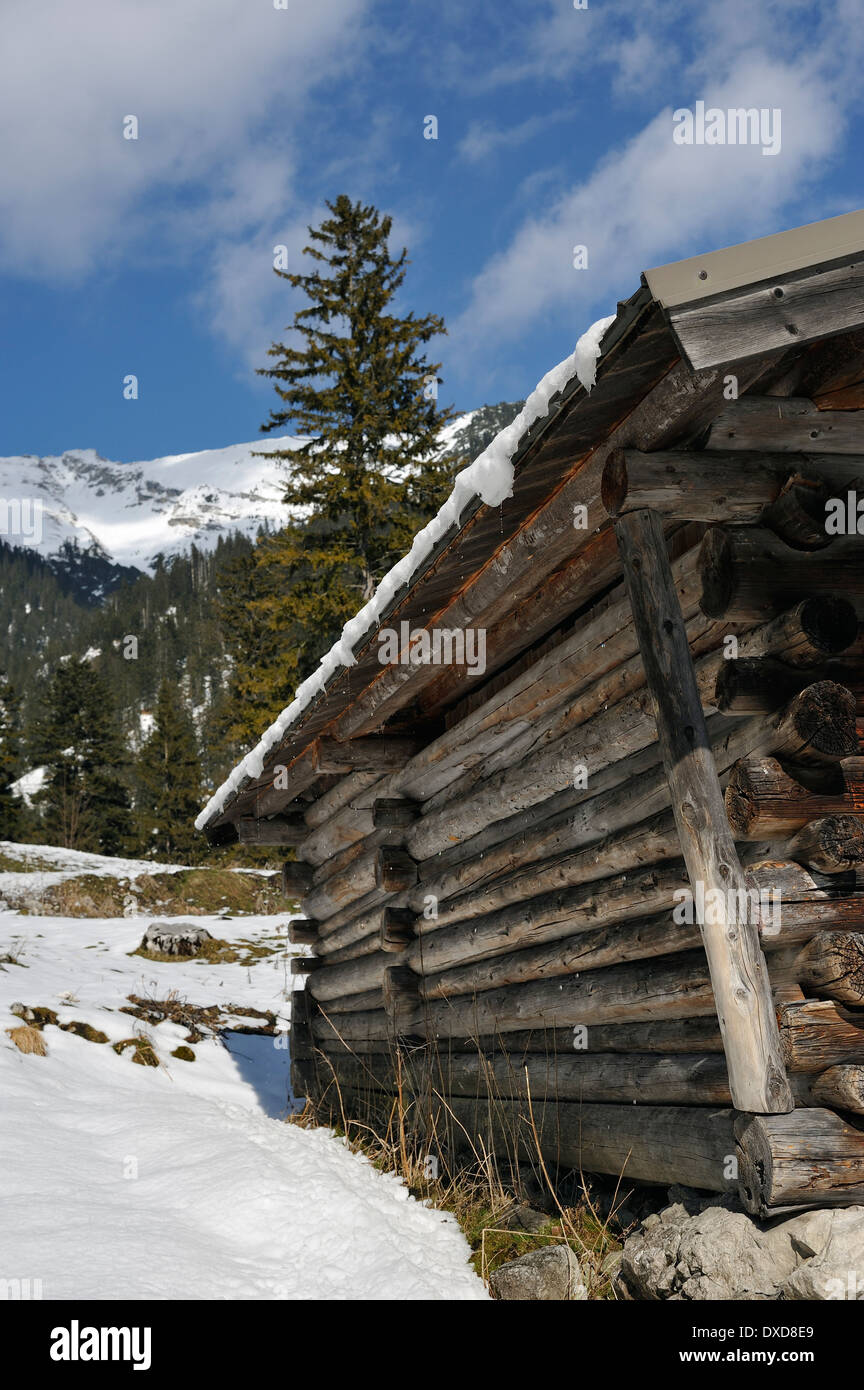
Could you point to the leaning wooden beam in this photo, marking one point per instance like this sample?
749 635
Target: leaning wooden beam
764 803
749 575
809 1158
744 1006
791 425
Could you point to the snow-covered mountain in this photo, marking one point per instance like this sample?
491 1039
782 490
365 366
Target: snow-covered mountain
128 513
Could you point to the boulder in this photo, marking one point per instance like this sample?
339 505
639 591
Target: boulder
835 1270
716 1253
175 938
551 1275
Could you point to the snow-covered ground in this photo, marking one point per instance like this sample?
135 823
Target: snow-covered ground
183 1181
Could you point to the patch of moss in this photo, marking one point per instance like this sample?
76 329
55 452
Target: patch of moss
183 1054
144 1054
84 1030
41 1016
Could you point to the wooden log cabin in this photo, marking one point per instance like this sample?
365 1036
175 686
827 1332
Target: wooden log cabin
603 899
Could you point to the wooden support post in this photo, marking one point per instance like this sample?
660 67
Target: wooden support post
757 1076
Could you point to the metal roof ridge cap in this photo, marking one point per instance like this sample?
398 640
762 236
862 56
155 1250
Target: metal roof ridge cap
748 262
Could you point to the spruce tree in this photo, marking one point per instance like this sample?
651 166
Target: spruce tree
10 805
85 800
356 382
169 781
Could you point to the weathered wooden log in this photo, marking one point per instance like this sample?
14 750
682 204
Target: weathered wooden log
808 1158
397 930
394 813
764 803
588 950
352 788
711 487
287 829
395 871
368 1001
548 918
817 725
366 926
830 963
343 889
820 1033
304 965
373 1031
789 425
797 516
599 729
354 977
302 932
831 844
740 982
691 1145
795 905
684 1079
401 998
296 879
492 870
674 986
841 1088
598 644
366 946
749 575
286 780
756 685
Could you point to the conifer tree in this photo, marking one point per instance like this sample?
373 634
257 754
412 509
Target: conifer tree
10 805
85 799
356 382
169 781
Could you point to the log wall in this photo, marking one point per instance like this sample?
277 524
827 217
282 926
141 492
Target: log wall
499 923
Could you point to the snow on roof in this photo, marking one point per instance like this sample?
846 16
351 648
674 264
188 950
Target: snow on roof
489 477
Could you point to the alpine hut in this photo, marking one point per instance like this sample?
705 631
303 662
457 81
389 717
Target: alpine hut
577 801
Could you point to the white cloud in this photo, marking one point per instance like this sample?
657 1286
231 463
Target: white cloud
651 200
215 84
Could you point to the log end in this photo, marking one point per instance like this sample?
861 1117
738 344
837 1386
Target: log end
613 485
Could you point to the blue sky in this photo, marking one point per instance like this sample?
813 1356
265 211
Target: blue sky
154 256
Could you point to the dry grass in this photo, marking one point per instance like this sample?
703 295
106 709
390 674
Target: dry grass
447 1168
28 1039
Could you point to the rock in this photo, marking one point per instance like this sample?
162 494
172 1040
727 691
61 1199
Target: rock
175 938
523 1217
836 1269
717 1253
552 1275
